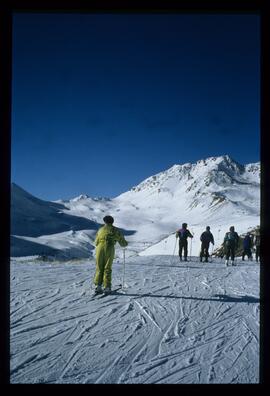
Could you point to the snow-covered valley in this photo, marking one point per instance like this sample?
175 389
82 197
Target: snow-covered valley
186 323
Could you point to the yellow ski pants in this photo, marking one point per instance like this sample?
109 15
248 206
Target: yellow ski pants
104 259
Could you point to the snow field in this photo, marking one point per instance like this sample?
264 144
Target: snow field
175 323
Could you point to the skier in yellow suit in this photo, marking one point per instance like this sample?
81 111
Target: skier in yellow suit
106 238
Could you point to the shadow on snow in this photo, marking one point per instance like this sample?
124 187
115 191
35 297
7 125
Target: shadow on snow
216 297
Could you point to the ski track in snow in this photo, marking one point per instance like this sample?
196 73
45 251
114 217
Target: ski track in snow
186 323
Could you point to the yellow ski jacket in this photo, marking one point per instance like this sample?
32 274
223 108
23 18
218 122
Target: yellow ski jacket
110 235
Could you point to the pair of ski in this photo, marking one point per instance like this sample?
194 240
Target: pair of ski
114 292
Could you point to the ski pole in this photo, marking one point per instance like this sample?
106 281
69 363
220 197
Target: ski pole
174 250
211 254
191 246
124 267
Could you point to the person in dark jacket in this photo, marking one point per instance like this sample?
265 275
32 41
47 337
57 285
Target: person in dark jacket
206 238
231 241
247 245
183 234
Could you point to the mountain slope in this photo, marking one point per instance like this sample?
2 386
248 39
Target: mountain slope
34 217
206 185
216 191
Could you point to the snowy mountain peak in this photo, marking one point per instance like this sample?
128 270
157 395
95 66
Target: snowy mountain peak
220 170
80 198
222 163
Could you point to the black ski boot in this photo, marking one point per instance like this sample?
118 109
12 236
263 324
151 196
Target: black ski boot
98 290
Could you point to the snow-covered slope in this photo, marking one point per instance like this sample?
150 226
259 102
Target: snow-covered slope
199 191
187 323
43 228
50 228
216 191
34 217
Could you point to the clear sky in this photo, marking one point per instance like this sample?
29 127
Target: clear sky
103 101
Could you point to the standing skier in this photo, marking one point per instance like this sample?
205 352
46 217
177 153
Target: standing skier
231 240
183 234
105 240
247 245
206 238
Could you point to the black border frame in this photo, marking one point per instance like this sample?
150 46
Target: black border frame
7 8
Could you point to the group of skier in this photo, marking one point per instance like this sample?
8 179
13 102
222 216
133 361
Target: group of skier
108 235
183 234
230 242
229 246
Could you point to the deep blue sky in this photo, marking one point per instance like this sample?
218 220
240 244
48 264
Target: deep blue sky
102 101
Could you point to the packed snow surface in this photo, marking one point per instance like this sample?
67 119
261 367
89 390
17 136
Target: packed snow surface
174 323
